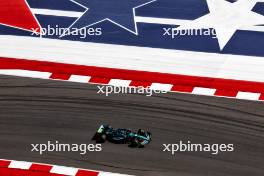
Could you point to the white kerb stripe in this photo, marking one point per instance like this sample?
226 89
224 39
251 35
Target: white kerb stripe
25 73
111 174
158 86
64 170
119 82
20 165
78 78
248 95
203 91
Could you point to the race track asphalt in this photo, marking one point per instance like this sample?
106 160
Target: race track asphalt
35 111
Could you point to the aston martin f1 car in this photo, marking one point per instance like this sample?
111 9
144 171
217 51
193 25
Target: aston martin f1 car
122 136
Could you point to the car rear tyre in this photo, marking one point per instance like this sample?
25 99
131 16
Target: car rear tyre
101 138
134 143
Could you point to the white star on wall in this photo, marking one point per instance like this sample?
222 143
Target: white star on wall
226 18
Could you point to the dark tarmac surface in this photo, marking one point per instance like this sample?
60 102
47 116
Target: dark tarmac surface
35 111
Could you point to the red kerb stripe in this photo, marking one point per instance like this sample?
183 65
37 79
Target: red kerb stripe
4 163
103 75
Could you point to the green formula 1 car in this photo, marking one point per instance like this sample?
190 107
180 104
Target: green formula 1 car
122 136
